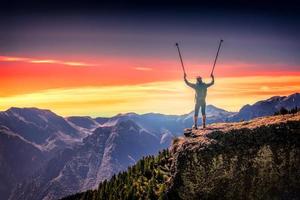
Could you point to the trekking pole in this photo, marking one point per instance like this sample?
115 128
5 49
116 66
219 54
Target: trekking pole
180 58
212 71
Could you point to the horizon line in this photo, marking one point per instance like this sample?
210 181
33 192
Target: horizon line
139 113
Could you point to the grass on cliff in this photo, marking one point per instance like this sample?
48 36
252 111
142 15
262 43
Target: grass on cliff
145 180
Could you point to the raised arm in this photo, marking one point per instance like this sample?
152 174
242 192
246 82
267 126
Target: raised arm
212 81
188 83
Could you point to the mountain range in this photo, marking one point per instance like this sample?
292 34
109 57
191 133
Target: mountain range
46 156
255 159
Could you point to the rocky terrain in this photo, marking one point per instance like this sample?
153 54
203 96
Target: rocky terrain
257 159
29 138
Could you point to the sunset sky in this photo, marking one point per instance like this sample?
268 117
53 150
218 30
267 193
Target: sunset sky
107 61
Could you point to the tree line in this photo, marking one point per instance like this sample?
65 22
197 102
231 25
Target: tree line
284 111
145 180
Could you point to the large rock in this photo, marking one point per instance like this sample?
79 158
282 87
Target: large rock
258 159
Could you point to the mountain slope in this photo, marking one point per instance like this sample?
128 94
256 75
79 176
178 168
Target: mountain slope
267 107
72 146
41 127
257 159
83 122
98 157
174 124
213 115
29 137
18 159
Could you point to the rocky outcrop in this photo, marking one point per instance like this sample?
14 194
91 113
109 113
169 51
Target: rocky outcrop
258 159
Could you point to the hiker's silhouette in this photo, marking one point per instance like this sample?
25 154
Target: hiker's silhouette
200 95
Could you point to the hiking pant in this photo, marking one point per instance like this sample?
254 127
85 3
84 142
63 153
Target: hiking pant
202 104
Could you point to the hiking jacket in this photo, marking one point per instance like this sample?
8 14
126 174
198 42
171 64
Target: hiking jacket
200 89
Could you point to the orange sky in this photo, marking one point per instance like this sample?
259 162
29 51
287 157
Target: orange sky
107 86
24 75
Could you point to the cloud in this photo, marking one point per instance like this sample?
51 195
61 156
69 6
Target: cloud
170 97
44 61
264 88
79 64
12 59
143 68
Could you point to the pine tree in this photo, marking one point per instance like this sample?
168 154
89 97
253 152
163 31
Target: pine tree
145 180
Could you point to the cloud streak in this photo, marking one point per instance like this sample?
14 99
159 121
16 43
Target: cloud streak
143 68
44 61
170 97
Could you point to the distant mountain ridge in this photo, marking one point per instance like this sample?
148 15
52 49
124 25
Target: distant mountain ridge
69 149
267 107
108 150
29 138
38 126
82 151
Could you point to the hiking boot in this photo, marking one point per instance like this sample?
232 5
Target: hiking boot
195 127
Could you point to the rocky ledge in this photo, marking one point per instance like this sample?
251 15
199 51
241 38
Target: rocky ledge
257 159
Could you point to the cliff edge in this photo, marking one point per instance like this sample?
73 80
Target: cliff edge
257 159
